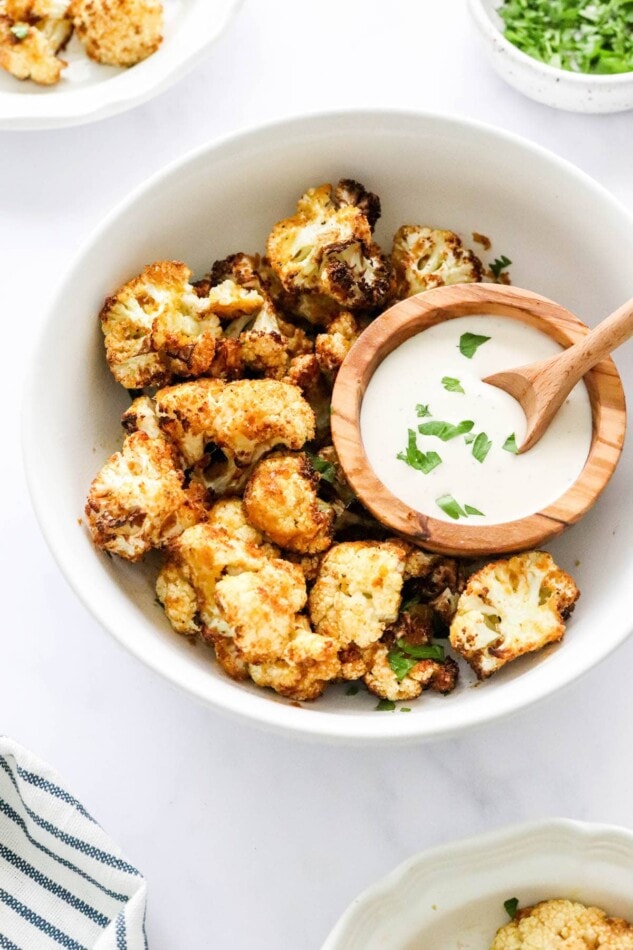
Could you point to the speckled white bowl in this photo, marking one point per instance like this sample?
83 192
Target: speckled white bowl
576 92
452 896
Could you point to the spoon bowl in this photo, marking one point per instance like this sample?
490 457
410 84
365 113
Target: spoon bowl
416 314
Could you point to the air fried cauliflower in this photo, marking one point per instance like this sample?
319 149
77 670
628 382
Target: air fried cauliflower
424 258
137 501
564 925
511 607
281 501
118 32
357 592
326 248
28 52
245 418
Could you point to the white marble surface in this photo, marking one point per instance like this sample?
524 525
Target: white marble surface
249 840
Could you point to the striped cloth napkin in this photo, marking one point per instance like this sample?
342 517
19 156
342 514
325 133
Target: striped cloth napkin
63 882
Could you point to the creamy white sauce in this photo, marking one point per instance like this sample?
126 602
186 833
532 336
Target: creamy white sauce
504 486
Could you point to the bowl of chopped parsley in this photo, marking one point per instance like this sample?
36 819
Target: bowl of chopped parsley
570 54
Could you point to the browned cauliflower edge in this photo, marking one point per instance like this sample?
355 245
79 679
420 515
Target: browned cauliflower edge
562 924
424 258
118 32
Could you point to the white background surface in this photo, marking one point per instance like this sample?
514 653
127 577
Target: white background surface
249 840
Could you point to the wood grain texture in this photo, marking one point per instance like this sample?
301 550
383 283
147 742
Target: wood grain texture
541 388
416 314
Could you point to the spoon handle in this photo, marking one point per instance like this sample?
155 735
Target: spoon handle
599 342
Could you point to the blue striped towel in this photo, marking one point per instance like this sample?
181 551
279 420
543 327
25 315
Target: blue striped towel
63 883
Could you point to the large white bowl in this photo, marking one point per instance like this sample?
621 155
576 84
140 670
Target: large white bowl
452 896
568 239
561 88
89 91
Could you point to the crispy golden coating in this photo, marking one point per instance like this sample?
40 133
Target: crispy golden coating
32 10
332 347
357 593
511 607
380 678
281 501
564 925
156 327
326 248
27 52
118 32
137 501
424 258
245 418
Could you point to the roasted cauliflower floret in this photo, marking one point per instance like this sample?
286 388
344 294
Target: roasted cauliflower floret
357 593
281 501
245 418
332 347
564 925
28 53
156 326
137 501
118 32
326 248
424 258
32 10
509 608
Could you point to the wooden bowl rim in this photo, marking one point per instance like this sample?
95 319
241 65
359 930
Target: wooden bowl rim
398 324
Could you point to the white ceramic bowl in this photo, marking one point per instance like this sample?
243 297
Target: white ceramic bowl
452 896
576 92
568 238
89 91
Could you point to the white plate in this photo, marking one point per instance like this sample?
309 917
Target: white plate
568 238
89 91
451 897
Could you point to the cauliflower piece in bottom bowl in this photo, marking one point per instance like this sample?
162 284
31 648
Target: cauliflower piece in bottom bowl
564 925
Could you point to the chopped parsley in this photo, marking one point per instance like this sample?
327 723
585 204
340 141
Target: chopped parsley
385 705
469 343
422 461
351 690
499 264
583 36
511 906
445 430
20 30
422 411
481 446
327 470
404 656
454 510
510 444
452 385
405 709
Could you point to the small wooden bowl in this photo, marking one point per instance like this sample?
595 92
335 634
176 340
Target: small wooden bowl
412 316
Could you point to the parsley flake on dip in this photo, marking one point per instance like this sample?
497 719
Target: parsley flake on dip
445 442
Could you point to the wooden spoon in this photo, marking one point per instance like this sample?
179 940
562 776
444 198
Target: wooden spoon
541 388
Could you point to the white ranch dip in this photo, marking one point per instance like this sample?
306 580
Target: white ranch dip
504 486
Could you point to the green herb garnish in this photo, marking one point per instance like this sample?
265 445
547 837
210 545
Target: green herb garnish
351 690
404 656
405 709
511 906
385 705
421 411
481 446
585 36
421 461
327 470
499 264
469 343
454 510
510 444
452 385
445 430
20 30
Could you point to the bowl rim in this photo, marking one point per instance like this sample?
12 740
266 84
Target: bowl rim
486 24
56 109
264 711
408 318
548 831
